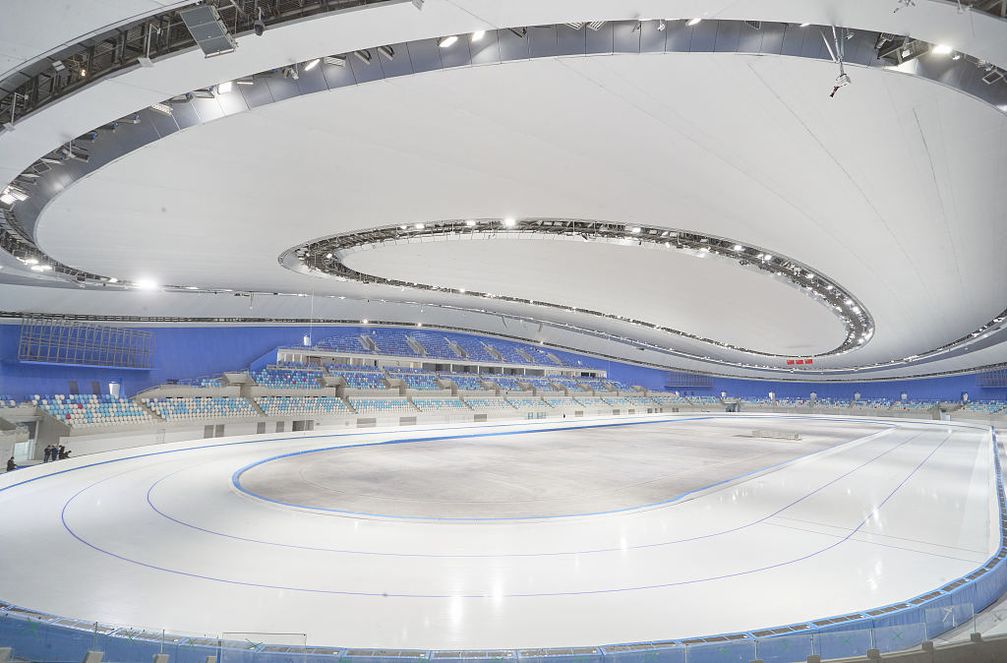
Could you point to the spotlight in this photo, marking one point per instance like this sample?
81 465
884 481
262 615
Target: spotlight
804 25
112 279
738 247
364 321
470 223
245 81
693 21
419 226
636 230
478 35
509 222
146 284
259 26
311 65
31 261
161 107
941 49
224 88
448 42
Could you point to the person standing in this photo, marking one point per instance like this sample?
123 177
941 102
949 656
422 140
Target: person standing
48 453
60 452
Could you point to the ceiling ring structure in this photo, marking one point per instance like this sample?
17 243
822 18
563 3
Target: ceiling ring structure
327 256
57 170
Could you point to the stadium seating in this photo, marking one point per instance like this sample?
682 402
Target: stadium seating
439 404
79 410
7 401
393 342
908 405
833 403
201 407
201 382
278 406
527 403
560 401
987 407
372 379
512 353
506 383
664 399
421 381
704 400
469 382
542 384
473 348
593 401
620 402
346 341
491 403
282 378
382 405
874 403
435 344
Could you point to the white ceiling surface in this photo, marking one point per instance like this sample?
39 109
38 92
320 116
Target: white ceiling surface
32 28
886 188
706 296
939 22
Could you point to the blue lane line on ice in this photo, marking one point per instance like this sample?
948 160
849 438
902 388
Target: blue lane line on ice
575 552
312 590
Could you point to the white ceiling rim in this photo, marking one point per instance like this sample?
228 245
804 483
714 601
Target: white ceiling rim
205 112
976 33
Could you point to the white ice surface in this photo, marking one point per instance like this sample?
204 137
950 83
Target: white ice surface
166 541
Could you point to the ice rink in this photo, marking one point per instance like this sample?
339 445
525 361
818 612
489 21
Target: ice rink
505 535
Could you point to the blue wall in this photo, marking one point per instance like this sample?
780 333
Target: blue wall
188 352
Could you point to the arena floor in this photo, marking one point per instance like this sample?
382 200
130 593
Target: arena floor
507 535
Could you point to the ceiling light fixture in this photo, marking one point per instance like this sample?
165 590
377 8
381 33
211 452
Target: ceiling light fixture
738 247
312 64
224 88
162 108
693 21
448 42
477 36
509 222
146 284
941 49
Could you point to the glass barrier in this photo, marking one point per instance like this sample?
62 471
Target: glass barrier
47 639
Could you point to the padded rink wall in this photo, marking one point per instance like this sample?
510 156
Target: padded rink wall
889 628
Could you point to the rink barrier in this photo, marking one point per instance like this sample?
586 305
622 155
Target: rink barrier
889 628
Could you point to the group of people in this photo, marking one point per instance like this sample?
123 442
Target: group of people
55 452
